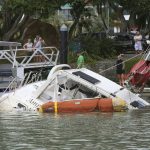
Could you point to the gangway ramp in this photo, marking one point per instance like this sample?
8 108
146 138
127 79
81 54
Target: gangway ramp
30 58
16 61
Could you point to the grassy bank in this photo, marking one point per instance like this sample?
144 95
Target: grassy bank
129 64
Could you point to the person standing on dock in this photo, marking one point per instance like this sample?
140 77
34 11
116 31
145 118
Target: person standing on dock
38 46
29 46
120 70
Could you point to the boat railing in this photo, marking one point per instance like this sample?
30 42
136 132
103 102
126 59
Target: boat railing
16 82
31 77
31 58
3 98
12 85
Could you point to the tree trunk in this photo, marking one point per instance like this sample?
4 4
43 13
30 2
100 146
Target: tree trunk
15 27
72 28
100 13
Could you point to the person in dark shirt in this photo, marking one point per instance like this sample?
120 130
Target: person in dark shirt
120 70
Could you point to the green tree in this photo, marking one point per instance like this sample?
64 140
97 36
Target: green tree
18 15
139 11
78 8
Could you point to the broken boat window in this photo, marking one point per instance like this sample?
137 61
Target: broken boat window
86 77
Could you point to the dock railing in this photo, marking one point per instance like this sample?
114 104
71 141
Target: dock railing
31 58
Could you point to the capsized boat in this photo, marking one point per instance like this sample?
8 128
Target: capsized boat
72 90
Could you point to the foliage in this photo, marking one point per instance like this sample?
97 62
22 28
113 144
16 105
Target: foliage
97 25
95 46
16 15
129 64
77 8
139 11
72 58
31 7
12 20
56 20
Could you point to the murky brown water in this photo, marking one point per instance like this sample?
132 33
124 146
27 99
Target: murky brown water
90 131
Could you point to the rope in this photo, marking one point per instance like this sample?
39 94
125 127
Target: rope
122 62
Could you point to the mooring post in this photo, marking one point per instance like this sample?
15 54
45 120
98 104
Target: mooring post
64 44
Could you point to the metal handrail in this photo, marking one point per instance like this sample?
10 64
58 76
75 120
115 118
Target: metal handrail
15 79
20 57
24 81
34 77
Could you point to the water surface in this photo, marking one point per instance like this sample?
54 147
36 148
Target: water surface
90 131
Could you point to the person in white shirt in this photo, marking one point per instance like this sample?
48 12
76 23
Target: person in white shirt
29 46
138 42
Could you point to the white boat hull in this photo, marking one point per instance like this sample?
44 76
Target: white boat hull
68 84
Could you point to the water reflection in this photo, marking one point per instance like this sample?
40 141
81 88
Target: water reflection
98 131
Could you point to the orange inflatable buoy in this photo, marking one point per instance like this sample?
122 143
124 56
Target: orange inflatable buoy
105 105
70 106
47 107
83 105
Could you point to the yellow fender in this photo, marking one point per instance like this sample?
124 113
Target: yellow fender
40 109
119 104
